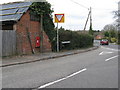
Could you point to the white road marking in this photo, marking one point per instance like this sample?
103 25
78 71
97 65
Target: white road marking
51 83
110 49
111 58
102 53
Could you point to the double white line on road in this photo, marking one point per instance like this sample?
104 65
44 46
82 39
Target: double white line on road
51 83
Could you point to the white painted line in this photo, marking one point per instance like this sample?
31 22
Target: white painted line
103 53
110 49
76 73
111 58
51 83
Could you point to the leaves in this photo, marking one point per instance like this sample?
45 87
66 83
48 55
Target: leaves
44 8
77 40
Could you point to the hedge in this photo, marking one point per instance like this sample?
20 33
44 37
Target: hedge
76 40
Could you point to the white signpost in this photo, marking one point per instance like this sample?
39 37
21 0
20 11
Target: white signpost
59 18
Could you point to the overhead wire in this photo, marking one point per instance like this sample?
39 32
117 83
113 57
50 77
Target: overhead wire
87 7
79 4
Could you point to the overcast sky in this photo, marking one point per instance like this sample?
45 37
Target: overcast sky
76 14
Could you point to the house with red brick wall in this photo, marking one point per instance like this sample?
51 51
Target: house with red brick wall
98 37
16 16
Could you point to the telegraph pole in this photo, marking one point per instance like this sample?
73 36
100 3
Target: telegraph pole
87 21
41 40
90 17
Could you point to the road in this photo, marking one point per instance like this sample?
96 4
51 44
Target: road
93 69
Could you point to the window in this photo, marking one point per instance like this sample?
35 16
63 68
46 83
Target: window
34 17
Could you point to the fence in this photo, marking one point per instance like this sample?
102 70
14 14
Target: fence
8 42
0 43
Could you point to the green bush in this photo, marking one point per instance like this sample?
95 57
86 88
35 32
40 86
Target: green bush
118 41
113 40
76 40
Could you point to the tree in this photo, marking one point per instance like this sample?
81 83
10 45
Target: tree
109 27
44 9
117 15
110 32
106 34
91 32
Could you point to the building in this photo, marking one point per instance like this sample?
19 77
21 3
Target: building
98 37
17 17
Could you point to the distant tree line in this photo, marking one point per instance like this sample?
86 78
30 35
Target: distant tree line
111 33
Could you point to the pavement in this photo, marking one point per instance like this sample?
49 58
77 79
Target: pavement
16 60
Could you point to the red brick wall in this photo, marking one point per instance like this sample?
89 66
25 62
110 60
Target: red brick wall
46 45
33 27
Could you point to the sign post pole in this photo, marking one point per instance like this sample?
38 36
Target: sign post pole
57 39
59 18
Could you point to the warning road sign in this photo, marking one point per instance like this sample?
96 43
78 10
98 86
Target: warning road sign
59 18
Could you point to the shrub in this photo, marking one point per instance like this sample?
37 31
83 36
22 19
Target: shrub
76 40
118 41
113 40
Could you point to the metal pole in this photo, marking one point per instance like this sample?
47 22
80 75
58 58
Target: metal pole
41 40
57 39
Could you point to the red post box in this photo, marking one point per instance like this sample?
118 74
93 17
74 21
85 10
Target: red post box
37 42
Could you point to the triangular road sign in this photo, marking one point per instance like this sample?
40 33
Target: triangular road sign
59 18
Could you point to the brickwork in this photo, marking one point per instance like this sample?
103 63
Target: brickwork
24 27
46 45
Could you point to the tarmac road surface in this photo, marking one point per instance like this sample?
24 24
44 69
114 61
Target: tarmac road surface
93 69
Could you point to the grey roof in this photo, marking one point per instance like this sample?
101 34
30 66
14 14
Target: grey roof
13 11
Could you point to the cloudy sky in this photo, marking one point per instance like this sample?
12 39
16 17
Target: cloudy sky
76 12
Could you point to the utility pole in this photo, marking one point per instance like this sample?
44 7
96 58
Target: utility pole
90 17
87 21
41 30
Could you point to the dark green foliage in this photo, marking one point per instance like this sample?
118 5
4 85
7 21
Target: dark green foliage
118 37
106 34
91 32
44 8
77 40
41 8
112 33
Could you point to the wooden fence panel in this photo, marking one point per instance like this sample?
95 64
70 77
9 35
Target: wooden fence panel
8 42
0 43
